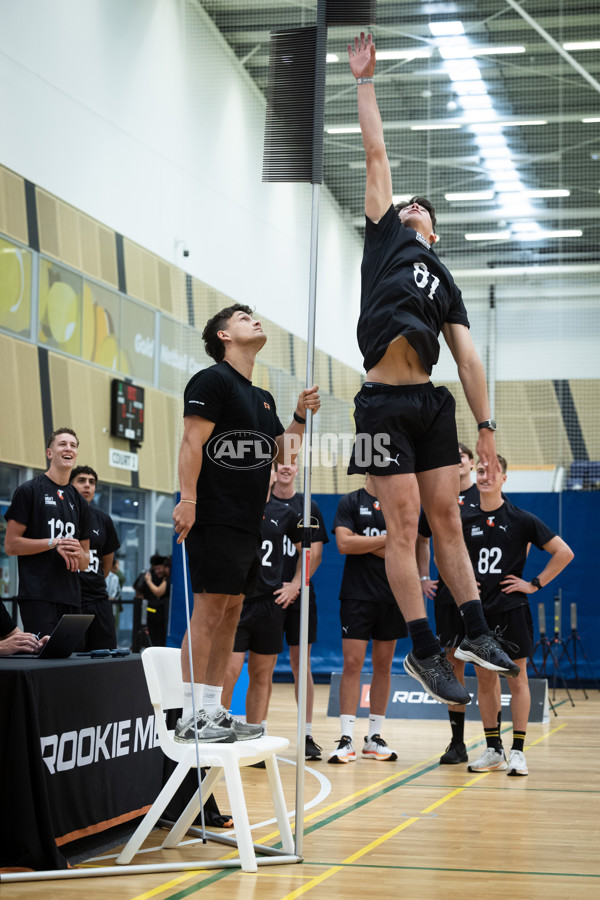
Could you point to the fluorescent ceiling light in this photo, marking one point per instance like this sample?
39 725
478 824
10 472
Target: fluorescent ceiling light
492 51
505 166
463 70
483 129
332 57
541 235
441 29
551 192
580 45
488 236
467 196
422 53
470 87
522 124
594 119
461 49
508 187
476 101
434 127
355 129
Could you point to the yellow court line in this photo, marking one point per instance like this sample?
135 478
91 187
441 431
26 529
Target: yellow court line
544 736
169 884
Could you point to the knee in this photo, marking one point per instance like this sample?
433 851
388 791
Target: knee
352 666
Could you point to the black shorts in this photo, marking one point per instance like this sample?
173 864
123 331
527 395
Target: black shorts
403 428
101 634
292 623
222 559
363 620
516 626
449 624
260 628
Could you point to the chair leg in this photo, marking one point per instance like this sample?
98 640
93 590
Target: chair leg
153 815
186 818
237 801
285 831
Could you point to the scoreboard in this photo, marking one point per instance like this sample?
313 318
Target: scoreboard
127 410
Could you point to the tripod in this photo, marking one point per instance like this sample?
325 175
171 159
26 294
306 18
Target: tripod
549 650
577 642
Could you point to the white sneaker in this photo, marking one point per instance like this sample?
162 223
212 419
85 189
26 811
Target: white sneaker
344 752
375 747
491 760
517 764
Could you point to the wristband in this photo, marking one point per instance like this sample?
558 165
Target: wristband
299 419
365 80
424 577
187 501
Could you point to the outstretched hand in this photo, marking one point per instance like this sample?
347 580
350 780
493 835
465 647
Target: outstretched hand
362 56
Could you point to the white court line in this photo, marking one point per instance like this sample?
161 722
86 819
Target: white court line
325 790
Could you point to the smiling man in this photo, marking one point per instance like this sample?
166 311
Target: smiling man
407 298
48 528
224 471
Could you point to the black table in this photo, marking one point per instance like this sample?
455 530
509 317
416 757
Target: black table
78 754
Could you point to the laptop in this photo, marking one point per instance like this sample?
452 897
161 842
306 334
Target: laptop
65 638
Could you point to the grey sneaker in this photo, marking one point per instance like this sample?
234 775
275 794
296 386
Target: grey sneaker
242 731
491 760
437 677
485 651
208 731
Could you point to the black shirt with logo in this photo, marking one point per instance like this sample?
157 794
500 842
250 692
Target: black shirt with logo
6 623
290 554
49 510
234 478
364 575
497 542
405 291
280 523
103 540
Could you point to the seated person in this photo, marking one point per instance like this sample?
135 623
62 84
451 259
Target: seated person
13 640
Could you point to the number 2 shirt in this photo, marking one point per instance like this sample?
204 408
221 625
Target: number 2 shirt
49 510
497 542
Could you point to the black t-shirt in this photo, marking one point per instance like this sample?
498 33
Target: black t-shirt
290 553
153 601
234 478
103 540
279 523
406 291
497 543
467 500
49 510
6 623
364 575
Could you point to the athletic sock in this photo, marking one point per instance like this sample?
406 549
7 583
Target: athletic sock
211 698
423 639
457 724
500 725
518 740
472 615
492 738
347 724
264 725
375 724
308 729
187 699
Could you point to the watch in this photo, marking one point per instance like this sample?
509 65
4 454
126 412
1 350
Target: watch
489 423
536 583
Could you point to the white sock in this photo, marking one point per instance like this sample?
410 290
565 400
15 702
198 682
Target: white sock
375 724
264 725
187 698
211 697
308 729
347 723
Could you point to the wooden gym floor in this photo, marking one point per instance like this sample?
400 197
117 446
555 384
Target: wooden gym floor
410 828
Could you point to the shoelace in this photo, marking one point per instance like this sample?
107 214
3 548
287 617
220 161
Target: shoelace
498 635
445 668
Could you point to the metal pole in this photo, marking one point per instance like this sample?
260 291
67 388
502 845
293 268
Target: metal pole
306 539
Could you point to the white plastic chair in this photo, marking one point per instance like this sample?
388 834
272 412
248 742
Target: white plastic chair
162 668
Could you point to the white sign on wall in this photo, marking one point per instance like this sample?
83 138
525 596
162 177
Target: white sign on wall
122 459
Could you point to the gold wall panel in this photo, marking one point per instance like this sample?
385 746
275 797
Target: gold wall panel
13 211
276 351
346 382
22 439
163 426
586 396
154 281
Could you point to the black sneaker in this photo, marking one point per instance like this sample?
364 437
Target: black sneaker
456 753
485 651
311 749
437 677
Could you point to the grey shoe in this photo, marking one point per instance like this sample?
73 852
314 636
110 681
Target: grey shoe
437 677
241 730
208 731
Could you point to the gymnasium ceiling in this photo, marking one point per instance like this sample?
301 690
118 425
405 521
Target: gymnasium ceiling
516 92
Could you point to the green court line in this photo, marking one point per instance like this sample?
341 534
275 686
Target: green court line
205 883
448 869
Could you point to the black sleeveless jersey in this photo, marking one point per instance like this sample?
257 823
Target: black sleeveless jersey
406 291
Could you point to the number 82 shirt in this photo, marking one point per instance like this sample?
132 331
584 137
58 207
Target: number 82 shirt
49 510
497 542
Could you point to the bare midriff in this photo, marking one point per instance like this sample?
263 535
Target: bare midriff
400 364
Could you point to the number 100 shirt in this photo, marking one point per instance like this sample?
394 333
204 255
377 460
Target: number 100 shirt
49 510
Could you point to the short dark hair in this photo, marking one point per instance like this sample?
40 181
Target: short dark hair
462 448
502 461
58 431
157 560
83 470
212 342
422 201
